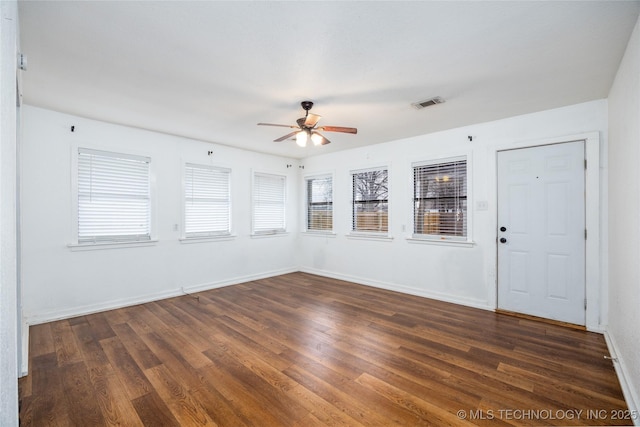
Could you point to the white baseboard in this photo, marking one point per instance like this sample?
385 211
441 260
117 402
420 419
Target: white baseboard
631 395
469 302
239 280
24 361
53 315
67 313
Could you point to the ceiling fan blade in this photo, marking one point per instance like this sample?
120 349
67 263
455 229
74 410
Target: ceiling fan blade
311 120
323 140
273 124
287 136
338 129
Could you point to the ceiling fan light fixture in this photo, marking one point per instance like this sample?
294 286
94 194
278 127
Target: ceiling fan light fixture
301 138
316 138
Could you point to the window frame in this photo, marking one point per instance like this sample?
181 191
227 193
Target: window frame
307 180
270 231
443 238
353 232
117 150
186 237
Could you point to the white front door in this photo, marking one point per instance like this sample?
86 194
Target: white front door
541 231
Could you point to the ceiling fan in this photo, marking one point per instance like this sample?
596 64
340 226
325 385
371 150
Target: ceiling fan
307 130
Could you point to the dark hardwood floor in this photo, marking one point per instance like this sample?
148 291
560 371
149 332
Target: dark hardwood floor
302 350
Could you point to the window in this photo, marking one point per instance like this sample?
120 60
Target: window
320 203
440 199
207 205
268 203
114 203
370 202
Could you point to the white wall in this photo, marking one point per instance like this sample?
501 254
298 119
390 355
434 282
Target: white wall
60 282
460 274
8 252
624 226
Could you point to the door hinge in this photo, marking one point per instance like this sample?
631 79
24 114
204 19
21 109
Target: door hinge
585 303
585 163
585 234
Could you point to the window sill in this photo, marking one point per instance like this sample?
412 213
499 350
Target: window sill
319 233
205 239
441 242
75 247
267 235
364 236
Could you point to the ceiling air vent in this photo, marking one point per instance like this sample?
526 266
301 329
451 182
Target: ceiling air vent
429 102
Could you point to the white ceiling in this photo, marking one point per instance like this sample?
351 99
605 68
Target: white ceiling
211 70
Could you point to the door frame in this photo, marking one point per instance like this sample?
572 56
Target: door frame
595 290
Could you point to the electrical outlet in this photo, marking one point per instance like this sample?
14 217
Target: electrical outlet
482 205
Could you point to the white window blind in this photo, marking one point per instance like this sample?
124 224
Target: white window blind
114 202
268 203
207 209
370 202
320 203
440 198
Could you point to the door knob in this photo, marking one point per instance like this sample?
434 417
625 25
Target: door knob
503 240
503 229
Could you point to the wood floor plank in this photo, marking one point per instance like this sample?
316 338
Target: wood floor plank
425 412
109 392
259 341
245 404
578 394
175 361
301 350
40 340
172 320
92 353
118 316
265 394
153 411
117 408
130 374
64 342
364 406
420 381
48 406
80 395
309 421
100 326
181 404
219 409
321 409
136 347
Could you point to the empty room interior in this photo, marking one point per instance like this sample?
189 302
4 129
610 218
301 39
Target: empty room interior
355 213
